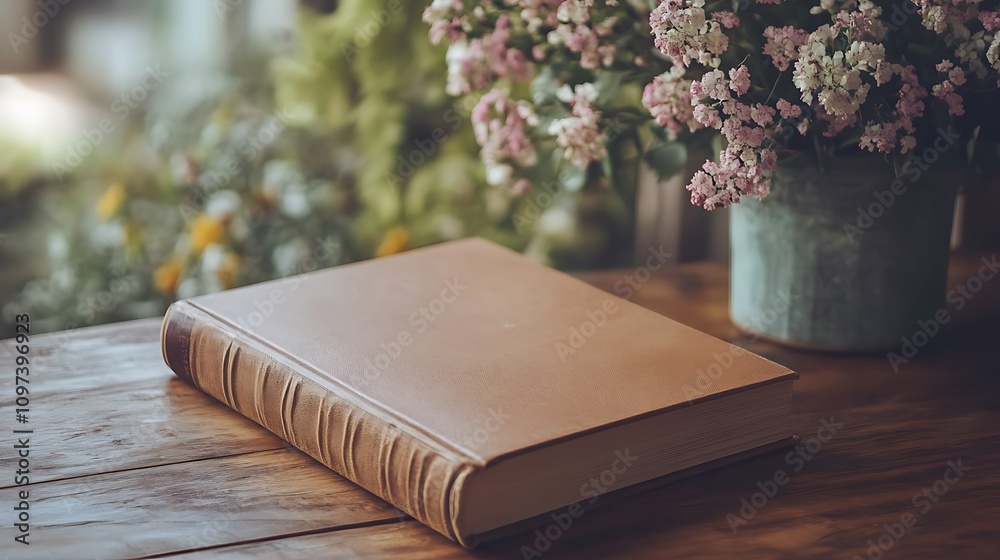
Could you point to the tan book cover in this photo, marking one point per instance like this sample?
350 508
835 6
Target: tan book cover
428 377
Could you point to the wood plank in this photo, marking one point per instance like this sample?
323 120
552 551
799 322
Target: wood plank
94 356
862 478
409 540
102 400
189 505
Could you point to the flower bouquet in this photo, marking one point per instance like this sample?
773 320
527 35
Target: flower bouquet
840 110
767 76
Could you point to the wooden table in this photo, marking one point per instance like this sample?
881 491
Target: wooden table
128 461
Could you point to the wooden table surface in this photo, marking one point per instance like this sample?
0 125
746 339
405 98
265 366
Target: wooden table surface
127 461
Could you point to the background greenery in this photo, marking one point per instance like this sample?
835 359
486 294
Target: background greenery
344 148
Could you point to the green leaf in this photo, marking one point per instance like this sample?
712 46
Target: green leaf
572 176
608 84
970 149
666 158
543 87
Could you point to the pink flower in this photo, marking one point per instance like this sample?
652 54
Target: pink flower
707 116
682 31
863 25
592 41
782 45
668 98
835 124
740 172
990 20
897 129
712 85
474 64
500 125
728 20
579 135
787 110
945 91
740 79
521 187
445 19
762 114
880 136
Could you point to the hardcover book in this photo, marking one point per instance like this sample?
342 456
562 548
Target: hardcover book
474 389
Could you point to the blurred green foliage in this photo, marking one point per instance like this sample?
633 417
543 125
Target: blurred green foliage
345 149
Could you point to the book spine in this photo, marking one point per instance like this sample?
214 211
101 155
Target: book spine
418 477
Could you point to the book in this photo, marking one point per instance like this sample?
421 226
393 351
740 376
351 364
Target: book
475 389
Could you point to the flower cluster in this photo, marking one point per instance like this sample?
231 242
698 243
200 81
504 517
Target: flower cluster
874 76
579 134
496 47
668 98
501 127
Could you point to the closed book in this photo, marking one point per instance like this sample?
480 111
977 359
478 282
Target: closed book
475 389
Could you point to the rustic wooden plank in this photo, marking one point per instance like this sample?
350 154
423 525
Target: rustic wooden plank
409 540
102 400
865 476
189 505
94 356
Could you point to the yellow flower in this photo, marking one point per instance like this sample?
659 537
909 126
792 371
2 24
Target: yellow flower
396 240
166 277
205 230
133 236
111 201
227 272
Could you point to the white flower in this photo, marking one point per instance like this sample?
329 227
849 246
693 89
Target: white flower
579 135
498 174
294 203
222 204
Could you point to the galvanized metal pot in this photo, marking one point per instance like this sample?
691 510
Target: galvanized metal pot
847 257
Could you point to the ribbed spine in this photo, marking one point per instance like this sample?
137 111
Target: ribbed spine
417 477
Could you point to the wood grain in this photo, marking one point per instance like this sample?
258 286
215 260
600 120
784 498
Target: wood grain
102 400
190 505
193 480
864 477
